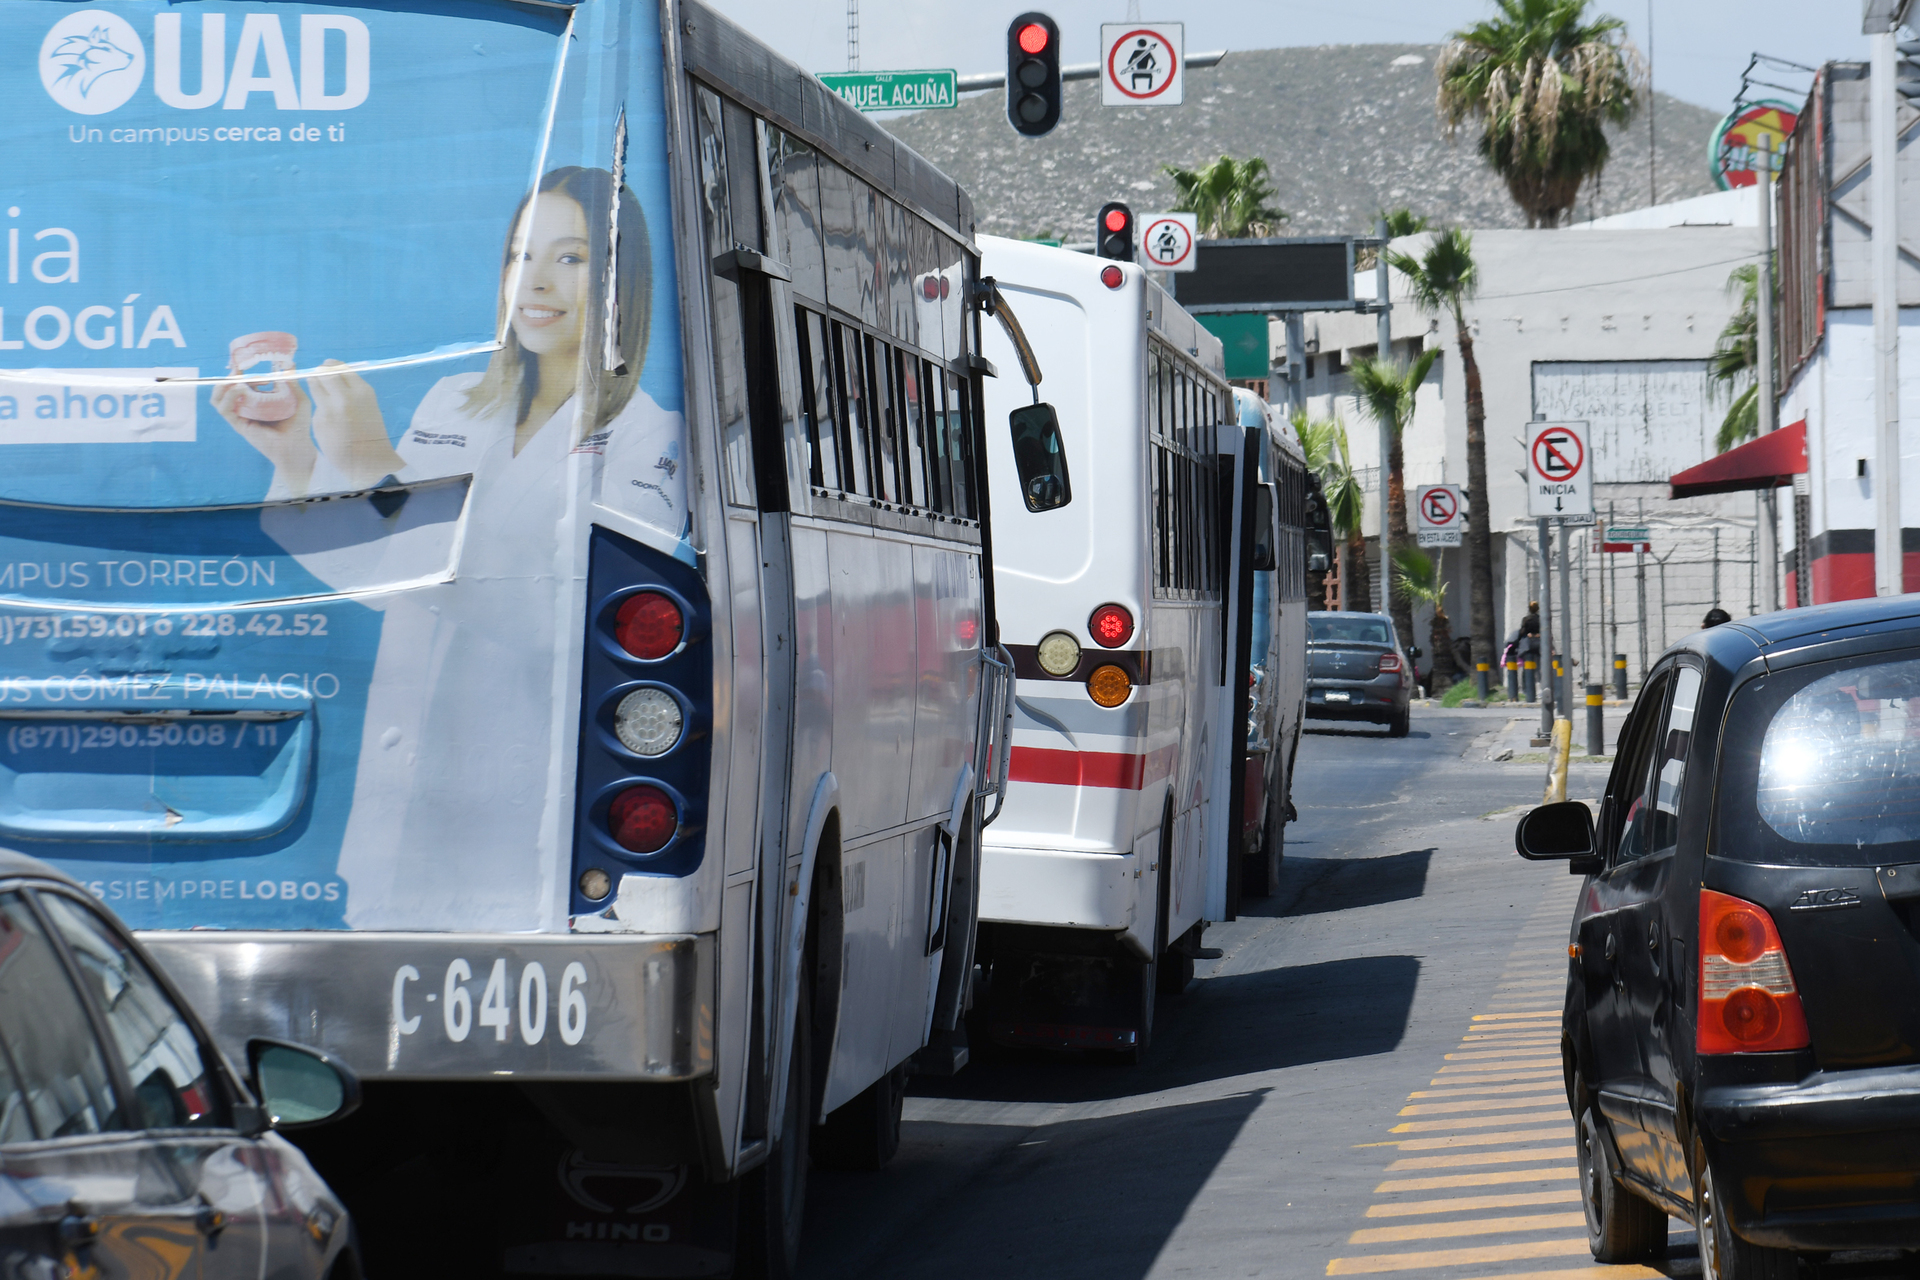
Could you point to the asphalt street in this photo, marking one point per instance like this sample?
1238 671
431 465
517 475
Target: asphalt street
1364 1083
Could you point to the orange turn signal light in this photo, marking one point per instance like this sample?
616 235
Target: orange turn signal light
1109 686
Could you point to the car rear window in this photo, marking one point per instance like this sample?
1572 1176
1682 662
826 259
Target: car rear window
1821 766
1348 630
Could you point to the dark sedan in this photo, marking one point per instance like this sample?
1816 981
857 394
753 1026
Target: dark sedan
1356 670
127 1146
1741 1034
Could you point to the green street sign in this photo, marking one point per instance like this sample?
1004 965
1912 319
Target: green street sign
893 90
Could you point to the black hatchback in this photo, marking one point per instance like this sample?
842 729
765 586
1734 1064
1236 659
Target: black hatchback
1741 1037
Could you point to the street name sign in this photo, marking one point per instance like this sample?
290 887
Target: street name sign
1167 241
1142 64
893 90
1617 538
1439 515
1559 470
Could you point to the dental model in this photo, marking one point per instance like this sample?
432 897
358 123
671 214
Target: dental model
264 401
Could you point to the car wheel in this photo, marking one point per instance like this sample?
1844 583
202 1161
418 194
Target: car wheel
1621 1227
1401 724
1724 1255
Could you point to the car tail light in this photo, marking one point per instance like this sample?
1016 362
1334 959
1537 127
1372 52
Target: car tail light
1111 625
1109 686
1748 1002
642 819
1389 662
648 625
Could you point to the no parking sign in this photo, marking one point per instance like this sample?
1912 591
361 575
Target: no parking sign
1439 514
1559 470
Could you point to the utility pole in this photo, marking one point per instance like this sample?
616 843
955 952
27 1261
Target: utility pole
1882 21
1653 147
1384 337
853 35
1768 544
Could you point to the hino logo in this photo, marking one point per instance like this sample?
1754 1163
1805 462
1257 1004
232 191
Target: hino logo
1825 900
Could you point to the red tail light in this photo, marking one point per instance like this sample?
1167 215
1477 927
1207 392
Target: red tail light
642 819
1111 625
648 625
1112 277
1389 662
1748 1002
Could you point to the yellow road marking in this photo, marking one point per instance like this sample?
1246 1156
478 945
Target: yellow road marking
1498 1178
1456 1204
1621 1271
1480 1157
1482 1104
1475 1227
1486 1139
1548 1105
1480 1055
1541 1086
1428 1259
1509 1037
1514 1017
1489 1072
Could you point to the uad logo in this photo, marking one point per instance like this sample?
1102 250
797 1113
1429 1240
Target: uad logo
93 62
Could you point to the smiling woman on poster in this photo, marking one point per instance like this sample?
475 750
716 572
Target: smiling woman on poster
460 712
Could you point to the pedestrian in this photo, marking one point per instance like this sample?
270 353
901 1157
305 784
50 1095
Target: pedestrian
1716 616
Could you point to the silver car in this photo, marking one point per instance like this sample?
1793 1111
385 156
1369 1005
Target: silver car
1356 670
127 1145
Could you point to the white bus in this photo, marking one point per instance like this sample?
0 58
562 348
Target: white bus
1128 519
495 586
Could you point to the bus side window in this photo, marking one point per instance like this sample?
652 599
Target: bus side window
884 422
850 394
796 212
939 492
913 432
728 332
816 397
960 446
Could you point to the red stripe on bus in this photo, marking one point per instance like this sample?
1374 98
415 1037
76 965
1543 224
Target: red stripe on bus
1118 770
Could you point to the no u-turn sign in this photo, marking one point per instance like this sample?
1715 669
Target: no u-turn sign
1559 470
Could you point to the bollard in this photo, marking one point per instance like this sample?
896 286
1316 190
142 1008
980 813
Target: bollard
1562 745
1513 681
1620 676
1596 723
1481 688
1530 677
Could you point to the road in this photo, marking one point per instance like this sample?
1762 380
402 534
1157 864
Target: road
1364 1083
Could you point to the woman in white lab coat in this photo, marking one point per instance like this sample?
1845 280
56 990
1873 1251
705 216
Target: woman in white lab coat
460 749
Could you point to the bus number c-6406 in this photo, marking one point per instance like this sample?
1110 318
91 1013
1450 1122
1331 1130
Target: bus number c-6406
497 1009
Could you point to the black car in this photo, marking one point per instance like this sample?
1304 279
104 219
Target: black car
1356 670
1741 1036
127 1146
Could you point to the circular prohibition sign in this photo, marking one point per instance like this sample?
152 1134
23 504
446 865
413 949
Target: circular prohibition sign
1114 72
1440 508
1558 454
1179 229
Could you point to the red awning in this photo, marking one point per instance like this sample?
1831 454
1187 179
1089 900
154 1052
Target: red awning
1767 462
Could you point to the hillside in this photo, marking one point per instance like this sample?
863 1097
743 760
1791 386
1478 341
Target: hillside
1347 129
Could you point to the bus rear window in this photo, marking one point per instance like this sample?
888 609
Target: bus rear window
1822 766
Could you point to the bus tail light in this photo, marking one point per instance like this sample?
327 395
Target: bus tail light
1112 277
1109 686
1748 1000
1111 625
642 819
1389 662
649 625
1057 653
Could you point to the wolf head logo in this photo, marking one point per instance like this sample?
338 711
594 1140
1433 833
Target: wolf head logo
87 56
92 62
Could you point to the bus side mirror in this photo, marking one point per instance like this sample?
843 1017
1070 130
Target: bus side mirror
1317 562
1040 457
1263 554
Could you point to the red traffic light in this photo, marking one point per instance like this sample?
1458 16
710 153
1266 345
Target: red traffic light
1033 38
1116 219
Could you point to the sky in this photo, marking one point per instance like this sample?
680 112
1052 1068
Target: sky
1699 47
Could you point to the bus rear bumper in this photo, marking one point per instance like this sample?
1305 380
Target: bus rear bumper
450 1006
1054 887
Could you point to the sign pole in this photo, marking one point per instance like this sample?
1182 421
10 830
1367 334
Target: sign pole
1763 374
1546 683
1383 335
1563 696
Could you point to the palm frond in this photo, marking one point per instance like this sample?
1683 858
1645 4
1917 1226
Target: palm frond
1417 577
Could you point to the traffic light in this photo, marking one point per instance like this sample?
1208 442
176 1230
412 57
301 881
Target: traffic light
1113 237
1033 74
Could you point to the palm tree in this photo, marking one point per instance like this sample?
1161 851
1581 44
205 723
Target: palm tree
1441 280
1324 441
1385 390
1736 355
1229 196
1417 575
1543 82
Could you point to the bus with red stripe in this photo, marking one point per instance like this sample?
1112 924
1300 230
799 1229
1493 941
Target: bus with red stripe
1131 511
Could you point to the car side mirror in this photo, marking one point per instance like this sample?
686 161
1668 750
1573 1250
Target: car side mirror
299 1087
1561 832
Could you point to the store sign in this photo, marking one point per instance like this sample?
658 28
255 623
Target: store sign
1749 137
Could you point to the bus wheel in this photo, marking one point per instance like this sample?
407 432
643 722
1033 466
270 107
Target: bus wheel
864 1133
773 1196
